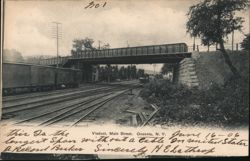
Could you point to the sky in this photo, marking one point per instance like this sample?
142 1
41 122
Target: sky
29 28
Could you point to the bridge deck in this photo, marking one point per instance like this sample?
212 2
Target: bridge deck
136 59
131 55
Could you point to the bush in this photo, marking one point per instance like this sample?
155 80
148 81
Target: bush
219 105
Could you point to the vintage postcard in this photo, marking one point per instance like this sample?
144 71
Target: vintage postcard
112 79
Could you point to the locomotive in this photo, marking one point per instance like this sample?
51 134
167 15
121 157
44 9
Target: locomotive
19 78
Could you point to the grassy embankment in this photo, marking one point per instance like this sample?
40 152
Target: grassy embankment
216 104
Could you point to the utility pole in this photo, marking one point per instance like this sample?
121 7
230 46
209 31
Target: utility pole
99 44
57 36
127 44
233 40
154 65
130 71
194 44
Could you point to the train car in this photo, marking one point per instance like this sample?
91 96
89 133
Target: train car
20 78
68 77
15 77
42 78
78 77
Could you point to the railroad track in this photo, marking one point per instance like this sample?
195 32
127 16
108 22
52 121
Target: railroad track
65 107
40 94
84 108
58 99
97 106
33 101
120 84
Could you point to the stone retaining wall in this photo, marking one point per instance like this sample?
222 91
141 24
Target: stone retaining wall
186 73
205 69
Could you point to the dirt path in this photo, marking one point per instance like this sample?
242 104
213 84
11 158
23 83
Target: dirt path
122 110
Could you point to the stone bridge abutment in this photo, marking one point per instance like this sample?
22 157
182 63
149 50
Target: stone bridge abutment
185 71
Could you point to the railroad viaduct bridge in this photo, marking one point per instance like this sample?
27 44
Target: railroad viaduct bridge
165 53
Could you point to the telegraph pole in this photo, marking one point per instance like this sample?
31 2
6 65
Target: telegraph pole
154 65
194 44
99 44
127 44
57 45
233 40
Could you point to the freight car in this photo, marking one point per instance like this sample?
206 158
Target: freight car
19 78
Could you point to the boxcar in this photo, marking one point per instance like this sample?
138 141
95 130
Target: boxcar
15 76
68 77
42 77
19 78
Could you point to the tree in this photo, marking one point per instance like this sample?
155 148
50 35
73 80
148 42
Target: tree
83 44
116 72
166 68
245 44
133 72
105 46
12 55
122 73
140 73
86 44
213 21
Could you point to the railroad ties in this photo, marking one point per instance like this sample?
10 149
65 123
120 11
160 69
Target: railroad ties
69 107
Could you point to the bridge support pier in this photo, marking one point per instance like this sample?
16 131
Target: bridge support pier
95 73
109 73
185 73
86 72
90 73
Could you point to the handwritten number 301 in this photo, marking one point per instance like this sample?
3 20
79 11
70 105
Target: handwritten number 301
95 5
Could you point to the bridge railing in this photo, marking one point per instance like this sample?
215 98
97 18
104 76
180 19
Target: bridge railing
120 52
132 51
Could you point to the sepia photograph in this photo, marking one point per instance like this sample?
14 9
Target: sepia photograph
124 79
